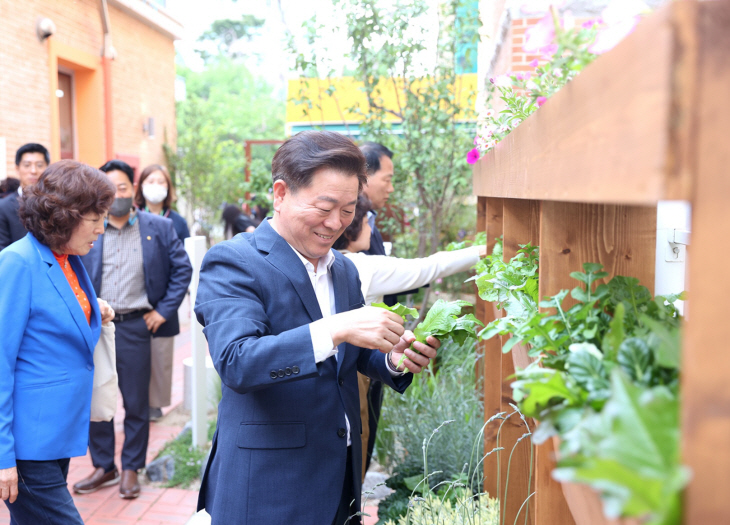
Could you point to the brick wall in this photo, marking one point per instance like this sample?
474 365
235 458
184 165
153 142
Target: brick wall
143 86
143 75
516 39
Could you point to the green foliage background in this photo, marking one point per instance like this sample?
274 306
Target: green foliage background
225 106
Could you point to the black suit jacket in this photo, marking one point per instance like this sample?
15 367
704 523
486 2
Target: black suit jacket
11 229
167 269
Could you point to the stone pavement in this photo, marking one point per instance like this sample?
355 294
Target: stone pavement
154 506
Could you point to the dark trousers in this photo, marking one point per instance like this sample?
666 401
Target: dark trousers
347 508
133 367
375 402
43 496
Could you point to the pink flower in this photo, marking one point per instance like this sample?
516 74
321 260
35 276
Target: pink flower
540 101
549 50
473 156
476 140
588 24
502 80
539 35
534 63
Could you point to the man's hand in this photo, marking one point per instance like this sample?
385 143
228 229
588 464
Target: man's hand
415 361
153 320
9 484
367 327
107 312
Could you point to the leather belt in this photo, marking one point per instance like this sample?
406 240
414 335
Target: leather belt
134 314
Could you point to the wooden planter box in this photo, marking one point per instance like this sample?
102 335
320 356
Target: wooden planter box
647 121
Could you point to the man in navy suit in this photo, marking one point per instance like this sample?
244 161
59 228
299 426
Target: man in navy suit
287 332
30 161
139 266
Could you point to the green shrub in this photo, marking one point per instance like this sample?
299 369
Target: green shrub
466 510
448 400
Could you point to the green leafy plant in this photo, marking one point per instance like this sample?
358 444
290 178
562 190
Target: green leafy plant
512 286
480 239
399 309
636 464
605 366
443 320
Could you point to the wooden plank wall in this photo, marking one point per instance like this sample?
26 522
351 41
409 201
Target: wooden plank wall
706 360
623 239
489 220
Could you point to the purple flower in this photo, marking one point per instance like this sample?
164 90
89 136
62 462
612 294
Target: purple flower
588 24
540 101
473 156
535 63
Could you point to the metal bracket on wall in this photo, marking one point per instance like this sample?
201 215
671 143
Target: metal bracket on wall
678 241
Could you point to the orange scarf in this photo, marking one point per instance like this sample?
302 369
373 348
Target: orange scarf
73 280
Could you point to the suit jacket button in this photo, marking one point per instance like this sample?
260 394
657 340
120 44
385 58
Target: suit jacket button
287 371
281 373
341 382
273 374
89 367
295 370
342 432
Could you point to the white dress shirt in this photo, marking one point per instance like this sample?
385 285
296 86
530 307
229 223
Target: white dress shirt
324 289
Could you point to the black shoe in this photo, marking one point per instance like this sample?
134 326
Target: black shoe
155 413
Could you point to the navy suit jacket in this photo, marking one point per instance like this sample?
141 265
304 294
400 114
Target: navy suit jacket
279 452
167 269
11 229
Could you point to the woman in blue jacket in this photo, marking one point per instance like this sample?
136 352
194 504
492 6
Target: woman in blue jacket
50 322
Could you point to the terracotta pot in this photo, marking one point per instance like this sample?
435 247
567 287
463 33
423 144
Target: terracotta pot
585 504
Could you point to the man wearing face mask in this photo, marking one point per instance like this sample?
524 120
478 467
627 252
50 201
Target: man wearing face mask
140 267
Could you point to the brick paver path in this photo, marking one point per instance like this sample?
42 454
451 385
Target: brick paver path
154 506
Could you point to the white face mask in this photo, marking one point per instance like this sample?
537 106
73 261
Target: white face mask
154 193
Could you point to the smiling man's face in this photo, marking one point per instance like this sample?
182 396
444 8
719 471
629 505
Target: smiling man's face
312 218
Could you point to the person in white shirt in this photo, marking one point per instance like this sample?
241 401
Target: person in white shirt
381 275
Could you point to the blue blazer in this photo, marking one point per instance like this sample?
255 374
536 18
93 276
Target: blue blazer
46 356
280 448
167 269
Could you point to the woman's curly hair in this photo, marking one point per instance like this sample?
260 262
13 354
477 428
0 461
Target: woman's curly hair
53 207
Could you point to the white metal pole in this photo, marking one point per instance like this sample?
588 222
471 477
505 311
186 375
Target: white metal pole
195 246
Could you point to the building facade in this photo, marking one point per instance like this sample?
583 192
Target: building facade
91 80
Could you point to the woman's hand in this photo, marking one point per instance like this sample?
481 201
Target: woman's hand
9 484
107 312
